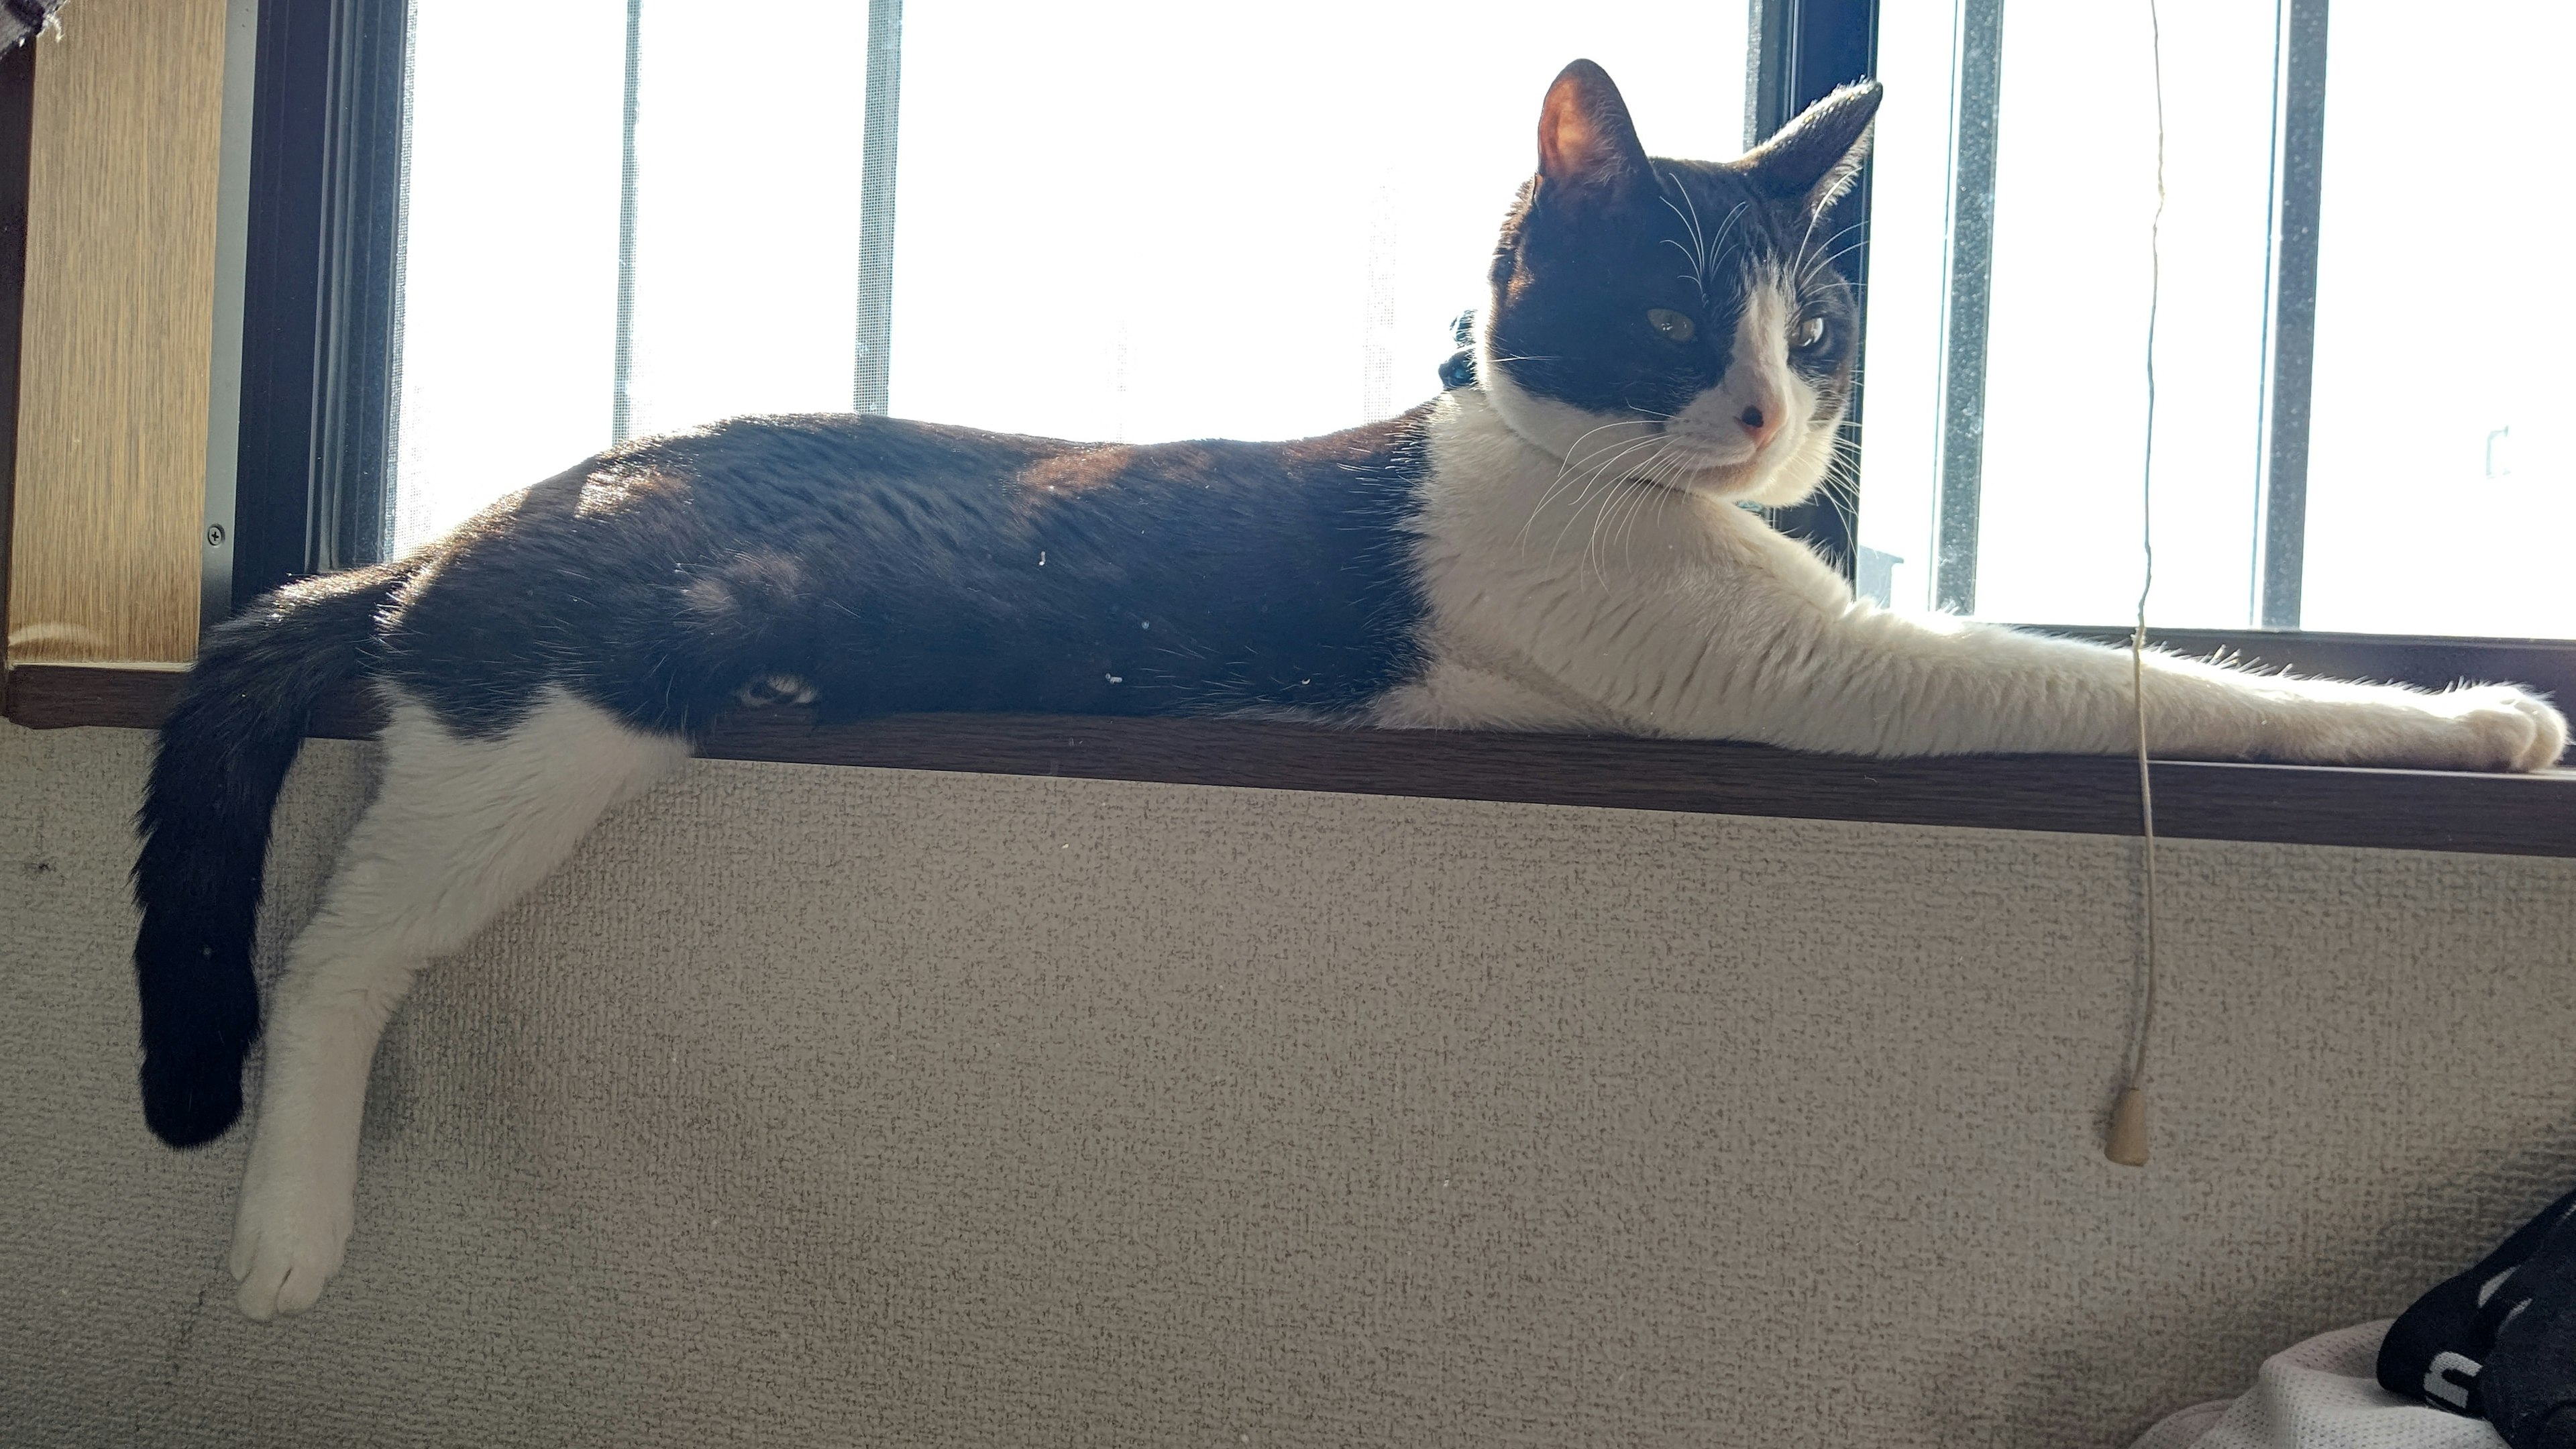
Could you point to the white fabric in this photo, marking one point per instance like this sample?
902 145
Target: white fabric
2321 1394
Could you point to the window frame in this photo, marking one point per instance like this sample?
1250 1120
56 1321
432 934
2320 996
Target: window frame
1796 53
321 297
17 135
320 378
2298 144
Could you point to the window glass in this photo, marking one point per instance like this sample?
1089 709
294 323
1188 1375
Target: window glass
509 309
1128 221
2065 389
2442 475
2441 489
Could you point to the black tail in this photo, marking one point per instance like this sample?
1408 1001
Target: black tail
224 753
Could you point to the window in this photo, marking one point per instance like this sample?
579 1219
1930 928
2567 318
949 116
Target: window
2361 410
1144 220
1133 221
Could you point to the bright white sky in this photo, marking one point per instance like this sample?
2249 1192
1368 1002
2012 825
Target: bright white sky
1150 219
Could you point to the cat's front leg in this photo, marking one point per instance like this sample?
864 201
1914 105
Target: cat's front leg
2474 727
1764 643
1882 683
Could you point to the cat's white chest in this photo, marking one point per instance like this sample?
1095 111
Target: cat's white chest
1562 598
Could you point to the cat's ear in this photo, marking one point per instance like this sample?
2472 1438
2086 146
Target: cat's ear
1587 146
1814 159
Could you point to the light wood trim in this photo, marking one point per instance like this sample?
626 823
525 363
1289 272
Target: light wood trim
110 495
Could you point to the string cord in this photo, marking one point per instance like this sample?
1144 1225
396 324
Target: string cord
2146 586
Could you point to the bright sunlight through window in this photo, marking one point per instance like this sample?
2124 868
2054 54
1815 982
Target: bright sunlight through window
1127 221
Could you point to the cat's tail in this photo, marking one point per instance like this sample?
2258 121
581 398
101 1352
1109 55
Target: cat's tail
223 756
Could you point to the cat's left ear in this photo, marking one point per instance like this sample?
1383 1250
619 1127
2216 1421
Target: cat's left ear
1587 146
1814 159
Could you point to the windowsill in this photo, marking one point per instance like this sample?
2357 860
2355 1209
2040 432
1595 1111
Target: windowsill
2293 804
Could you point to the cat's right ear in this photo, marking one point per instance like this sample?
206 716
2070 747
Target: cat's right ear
1587 146
1815 158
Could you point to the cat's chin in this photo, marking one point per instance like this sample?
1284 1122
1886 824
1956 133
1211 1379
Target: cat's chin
1768 480
1686 466
1718 482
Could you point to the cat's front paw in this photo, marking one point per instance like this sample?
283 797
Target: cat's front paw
2513 728
287 1242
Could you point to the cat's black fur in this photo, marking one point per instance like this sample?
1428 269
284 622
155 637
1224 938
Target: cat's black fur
887 566
896 566
1578 267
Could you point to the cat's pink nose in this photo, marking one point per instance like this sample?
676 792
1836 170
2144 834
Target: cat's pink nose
1760 423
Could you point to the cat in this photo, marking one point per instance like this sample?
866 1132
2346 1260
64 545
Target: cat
1554 543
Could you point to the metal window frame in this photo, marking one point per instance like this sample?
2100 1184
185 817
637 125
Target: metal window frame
1976 112
621 408
321 293
2290 334
871 366
1797 52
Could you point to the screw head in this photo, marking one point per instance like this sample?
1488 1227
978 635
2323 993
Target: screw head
214 535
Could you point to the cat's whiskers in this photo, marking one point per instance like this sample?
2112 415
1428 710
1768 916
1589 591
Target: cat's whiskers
1565 466
1732 217
1601 480
1718 243
1799 271
1803 270
1655 477
1840 485
1610 500
1823 268
1697 252
1660 481
1600 477
1660 474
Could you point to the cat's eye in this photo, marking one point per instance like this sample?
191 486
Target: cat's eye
1670 325
1810 333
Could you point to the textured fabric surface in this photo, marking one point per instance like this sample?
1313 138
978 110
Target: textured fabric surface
2322 1394
835 1106
2184 1428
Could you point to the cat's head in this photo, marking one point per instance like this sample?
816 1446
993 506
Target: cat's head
1678 321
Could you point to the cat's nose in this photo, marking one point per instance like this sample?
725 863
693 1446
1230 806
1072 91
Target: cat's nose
1759 422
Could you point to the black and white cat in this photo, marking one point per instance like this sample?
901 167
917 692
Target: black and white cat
1554 547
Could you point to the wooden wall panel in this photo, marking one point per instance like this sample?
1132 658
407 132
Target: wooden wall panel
117 333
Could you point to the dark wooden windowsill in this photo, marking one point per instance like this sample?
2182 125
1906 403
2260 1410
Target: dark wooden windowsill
2306 805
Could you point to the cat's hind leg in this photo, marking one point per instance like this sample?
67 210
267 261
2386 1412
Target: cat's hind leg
459 829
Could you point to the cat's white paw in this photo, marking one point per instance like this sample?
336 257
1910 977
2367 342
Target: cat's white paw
287 1242
2512 729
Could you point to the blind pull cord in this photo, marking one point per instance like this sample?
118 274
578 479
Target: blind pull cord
2127 1144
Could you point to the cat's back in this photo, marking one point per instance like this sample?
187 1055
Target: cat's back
796 468
898 564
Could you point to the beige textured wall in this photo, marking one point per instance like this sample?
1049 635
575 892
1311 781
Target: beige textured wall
119 327
831 1106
